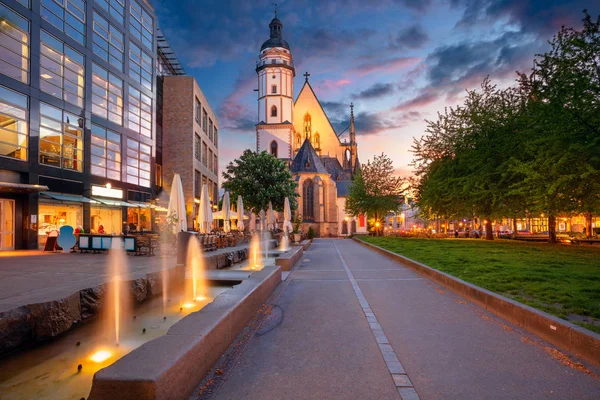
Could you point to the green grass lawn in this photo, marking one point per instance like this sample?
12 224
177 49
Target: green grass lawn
562 280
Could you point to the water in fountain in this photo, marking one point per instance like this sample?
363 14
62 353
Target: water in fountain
117 308
196 284
255 252
285 242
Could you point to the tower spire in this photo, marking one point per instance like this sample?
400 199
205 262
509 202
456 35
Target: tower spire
352 131
275 6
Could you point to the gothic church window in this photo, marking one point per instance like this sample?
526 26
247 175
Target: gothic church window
307 127
308 200
317 140
274 148
273 111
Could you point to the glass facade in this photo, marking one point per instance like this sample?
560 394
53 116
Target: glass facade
67 16
116 8
106 153
141 25
14 45
140 66
109 43
62 71
107 95
138 163
61 138
140 112
14 117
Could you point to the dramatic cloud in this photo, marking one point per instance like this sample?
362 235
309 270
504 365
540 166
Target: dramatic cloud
376 91
385 66
413 37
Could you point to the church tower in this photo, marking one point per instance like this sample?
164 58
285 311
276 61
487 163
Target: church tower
276 72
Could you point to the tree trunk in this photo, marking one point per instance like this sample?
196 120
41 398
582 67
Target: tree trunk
514 234
489 235
552 228
588 225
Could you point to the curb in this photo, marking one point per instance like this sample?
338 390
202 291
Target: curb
564 334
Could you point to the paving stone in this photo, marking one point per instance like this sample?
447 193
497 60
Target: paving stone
408 394
401 380
395 367
375 325
385 347
389 356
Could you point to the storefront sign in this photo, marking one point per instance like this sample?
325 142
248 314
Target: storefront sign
107 192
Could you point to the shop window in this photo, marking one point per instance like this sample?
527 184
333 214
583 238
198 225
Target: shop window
107 95
53 216
67 16
14 45
14 117
61 138
61 70
138 219
106 153
140 112
138 163
109 42
106 220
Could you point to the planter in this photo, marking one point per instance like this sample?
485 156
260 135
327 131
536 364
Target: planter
297 237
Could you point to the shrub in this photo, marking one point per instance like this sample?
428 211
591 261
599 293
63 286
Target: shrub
311 233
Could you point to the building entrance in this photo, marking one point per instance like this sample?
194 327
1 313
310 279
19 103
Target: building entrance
7 224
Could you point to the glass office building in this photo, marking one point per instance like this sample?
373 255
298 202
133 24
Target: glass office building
78 139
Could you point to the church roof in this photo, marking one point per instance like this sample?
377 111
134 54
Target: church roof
307 160
276 39
343 188
307 84
333 166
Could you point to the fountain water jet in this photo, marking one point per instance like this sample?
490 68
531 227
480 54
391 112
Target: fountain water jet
285 242
196 288
255 252
118 305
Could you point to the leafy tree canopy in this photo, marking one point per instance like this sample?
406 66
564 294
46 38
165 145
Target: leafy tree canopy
260 178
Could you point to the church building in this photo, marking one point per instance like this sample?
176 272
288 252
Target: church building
300 132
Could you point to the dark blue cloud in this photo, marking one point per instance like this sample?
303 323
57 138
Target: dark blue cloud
412 37
376 91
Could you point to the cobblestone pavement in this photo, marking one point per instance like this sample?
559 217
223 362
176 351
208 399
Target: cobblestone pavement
352 324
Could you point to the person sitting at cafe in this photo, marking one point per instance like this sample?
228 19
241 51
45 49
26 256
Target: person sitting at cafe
101 230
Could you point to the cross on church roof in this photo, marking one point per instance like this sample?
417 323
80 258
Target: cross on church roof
306 75
275 5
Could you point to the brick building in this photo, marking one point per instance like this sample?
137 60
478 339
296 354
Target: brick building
190 141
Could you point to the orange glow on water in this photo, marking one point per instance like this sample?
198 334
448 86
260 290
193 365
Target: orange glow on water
100 356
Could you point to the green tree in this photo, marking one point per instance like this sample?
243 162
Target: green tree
260 178
375 190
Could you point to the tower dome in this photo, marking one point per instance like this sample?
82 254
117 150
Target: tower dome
276 38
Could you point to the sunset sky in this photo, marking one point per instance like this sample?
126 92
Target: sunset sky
398 61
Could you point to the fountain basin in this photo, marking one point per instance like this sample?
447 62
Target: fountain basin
171 366
287 260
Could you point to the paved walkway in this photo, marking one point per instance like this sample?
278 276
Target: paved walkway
357 325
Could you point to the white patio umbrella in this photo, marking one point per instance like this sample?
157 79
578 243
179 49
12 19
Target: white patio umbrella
177 205
287 216
205 217
270 217
225 209
252 226
240 213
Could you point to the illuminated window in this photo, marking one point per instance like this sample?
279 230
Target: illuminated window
14 45
107 95
108 42
61 70
141 25
138 163
274 148
61 138
140 112
140 66
308 200
14 117
67 16
106 153
273 111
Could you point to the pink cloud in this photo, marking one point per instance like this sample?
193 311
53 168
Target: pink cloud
328 85
386 66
